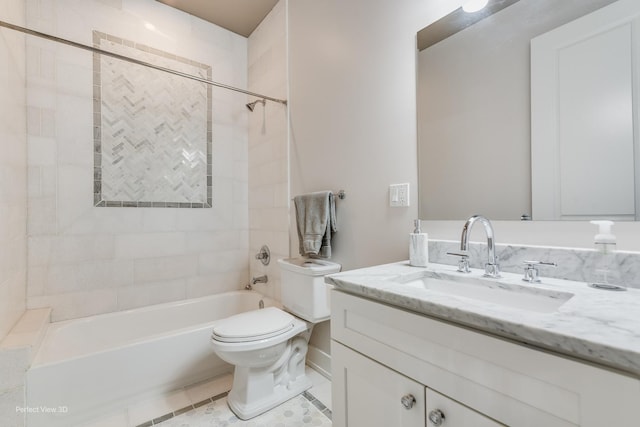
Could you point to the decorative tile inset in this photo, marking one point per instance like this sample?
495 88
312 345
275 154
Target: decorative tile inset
152 129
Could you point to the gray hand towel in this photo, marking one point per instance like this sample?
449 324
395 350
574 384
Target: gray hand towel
316 220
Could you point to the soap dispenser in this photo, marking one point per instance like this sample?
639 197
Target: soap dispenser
605 245
418 247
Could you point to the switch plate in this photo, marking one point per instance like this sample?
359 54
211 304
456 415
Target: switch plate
399 195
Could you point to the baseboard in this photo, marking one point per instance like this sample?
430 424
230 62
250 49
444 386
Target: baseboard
319 360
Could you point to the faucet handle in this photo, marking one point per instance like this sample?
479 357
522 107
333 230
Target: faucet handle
463 263
531 270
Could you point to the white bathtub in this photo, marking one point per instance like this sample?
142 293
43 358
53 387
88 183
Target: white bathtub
90 366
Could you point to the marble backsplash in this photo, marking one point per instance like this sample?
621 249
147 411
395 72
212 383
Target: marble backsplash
573 264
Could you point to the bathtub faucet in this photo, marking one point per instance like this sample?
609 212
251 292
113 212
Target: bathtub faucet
260 279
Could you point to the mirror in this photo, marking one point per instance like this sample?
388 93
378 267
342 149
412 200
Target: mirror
474 113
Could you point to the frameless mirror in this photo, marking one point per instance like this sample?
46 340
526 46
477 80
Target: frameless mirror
474 113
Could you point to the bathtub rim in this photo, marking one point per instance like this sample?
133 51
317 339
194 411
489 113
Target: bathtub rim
37 362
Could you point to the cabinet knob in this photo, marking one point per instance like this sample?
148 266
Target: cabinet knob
408 401
436 417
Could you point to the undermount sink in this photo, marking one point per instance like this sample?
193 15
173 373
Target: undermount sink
491 291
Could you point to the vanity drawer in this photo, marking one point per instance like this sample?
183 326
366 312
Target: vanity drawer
511 383
453 413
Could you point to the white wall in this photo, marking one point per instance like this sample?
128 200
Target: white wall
85 260
268 149
353 120
353 117
13 176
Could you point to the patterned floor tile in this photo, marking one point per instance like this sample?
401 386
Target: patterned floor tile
297 412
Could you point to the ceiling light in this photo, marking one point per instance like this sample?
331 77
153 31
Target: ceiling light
471 6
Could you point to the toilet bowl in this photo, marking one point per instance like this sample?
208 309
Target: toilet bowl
268 346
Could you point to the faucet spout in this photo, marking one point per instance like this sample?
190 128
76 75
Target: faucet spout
492 269
260 279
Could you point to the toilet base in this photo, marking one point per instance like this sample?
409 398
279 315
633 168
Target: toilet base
257 389
246 410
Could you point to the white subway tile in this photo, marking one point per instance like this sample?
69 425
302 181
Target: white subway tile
60 279
14 363
154 219
77 248
164 268
214 241
34 182
42 217
76 304
33 121
148 245
222 261
41 151
104 274
47 123
36 280
152 293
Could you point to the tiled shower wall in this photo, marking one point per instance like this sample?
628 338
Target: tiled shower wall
268 149
13 159
13 207
84 260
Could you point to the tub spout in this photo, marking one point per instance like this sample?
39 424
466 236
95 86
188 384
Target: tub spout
260 279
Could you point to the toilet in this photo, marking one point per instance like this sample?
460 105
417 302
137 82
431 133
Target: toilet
268 346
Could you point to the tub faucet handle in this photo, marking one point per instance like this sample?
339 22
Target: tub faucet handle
264 255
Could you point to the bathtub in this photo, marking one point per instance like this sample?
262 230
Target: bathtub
91 366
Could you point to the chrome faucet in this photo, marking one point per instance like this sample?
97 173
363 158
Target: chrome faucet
491 268
260 279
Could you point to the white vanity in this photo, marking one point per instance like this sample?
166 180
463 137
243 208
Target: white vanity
431 346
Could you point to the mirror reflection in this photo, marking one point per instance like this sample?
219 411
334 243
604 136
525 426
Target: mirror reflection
474 115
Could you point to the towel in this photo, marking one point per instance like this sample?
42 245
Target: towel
316 220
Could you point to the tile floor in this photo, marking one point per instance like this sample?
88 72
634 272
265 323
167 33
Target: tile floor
205 404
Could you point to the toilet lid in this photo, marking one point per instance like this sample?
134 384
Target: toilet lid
253 325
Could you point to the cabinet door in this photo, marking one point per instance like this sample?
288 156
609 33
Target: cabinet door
445 412
366 393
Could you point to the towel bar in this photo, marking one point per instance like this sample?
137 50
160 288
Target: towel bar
340 194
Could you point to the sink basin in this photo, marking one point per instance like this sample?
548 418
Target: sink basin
515 296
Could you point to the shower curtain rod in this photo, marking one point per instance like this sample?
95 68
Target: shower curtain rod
135 61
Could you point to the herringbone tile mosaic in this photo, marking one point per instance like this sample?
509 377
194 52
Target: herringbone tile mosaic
152 129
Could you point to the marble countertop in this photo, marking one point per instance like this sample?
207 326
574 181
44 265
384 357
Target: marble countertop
595 325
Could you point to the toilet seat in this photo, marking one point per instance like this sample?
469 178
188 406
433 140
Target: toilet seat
253 325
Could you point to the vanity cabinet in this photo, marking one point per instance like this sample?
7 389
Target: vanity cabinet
393 367
376 396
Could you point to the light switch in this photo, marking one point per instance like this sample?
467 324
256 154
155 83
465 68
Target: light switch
399 195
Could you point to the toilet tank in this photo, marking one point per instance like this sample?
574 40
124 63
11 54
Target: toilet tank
304 292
